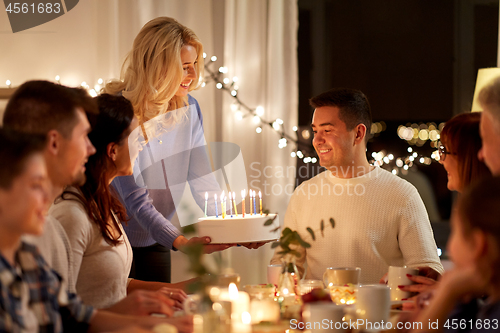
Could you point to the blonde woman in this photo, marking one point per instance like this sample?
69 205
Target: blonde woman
165 64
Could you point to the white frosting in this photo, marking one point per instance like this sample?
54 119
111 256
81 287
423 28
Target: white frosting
239 229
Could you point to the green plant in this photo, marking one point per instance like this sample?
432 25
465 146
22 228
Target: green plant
205 275
291 237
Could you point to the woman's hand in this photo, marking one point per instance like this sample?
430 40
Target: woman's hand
181 241
422 284
177 295
144 303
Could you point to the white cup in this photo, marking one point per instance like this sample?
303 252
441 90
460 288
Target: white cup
373 306
273 274
397 277
321 317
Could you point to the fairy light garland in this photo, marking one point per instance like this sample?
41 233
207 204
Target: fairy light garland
413 134
242 110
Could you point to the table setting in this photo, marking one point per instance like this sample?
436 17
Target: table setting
338 303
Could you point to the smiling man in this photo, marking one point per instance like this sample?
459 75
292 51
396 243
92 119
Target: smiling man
380 219
58 112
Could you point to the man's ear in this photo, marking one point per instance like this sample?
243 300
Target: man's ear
360 131
111 151
54 139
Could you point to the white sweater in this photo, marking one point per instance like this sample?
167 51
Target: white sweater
101 270
380 221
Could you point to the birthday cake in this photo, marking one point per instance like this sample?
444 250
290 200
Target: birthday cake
239 229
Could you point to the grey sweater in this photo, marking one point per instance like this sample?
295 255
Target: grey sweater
101 270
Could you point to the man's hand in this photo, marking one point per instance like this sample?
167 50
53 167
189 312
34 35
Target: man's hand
144 303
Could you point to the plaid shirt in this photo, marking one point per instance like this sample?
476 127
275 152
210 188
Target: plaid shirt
34 299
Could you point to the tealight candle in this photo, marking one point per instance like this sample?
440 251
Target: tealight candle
215 200
234 204
206 203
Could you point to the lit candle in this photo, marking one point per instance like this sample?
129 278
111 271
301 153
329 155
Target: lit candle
254 205
8 83
243 202
250 199
225 206
215 199
260 199
234 204
230 205
222 208
240 308
206 203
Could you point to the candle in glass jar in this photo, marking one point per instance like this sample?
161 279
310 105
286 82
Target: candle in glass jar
240 304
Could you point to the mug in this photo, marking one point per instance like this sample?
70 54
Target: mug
321 317
397 277
373 304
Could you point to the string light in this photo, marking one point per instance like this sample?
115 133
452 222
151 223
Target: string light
430 131
242 110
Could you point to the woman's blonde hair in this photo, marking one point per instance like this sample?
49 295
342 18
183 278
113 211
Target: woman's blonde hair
153 70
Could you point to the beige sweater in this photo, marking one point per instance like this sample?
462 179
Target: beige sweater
380 220
101 270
